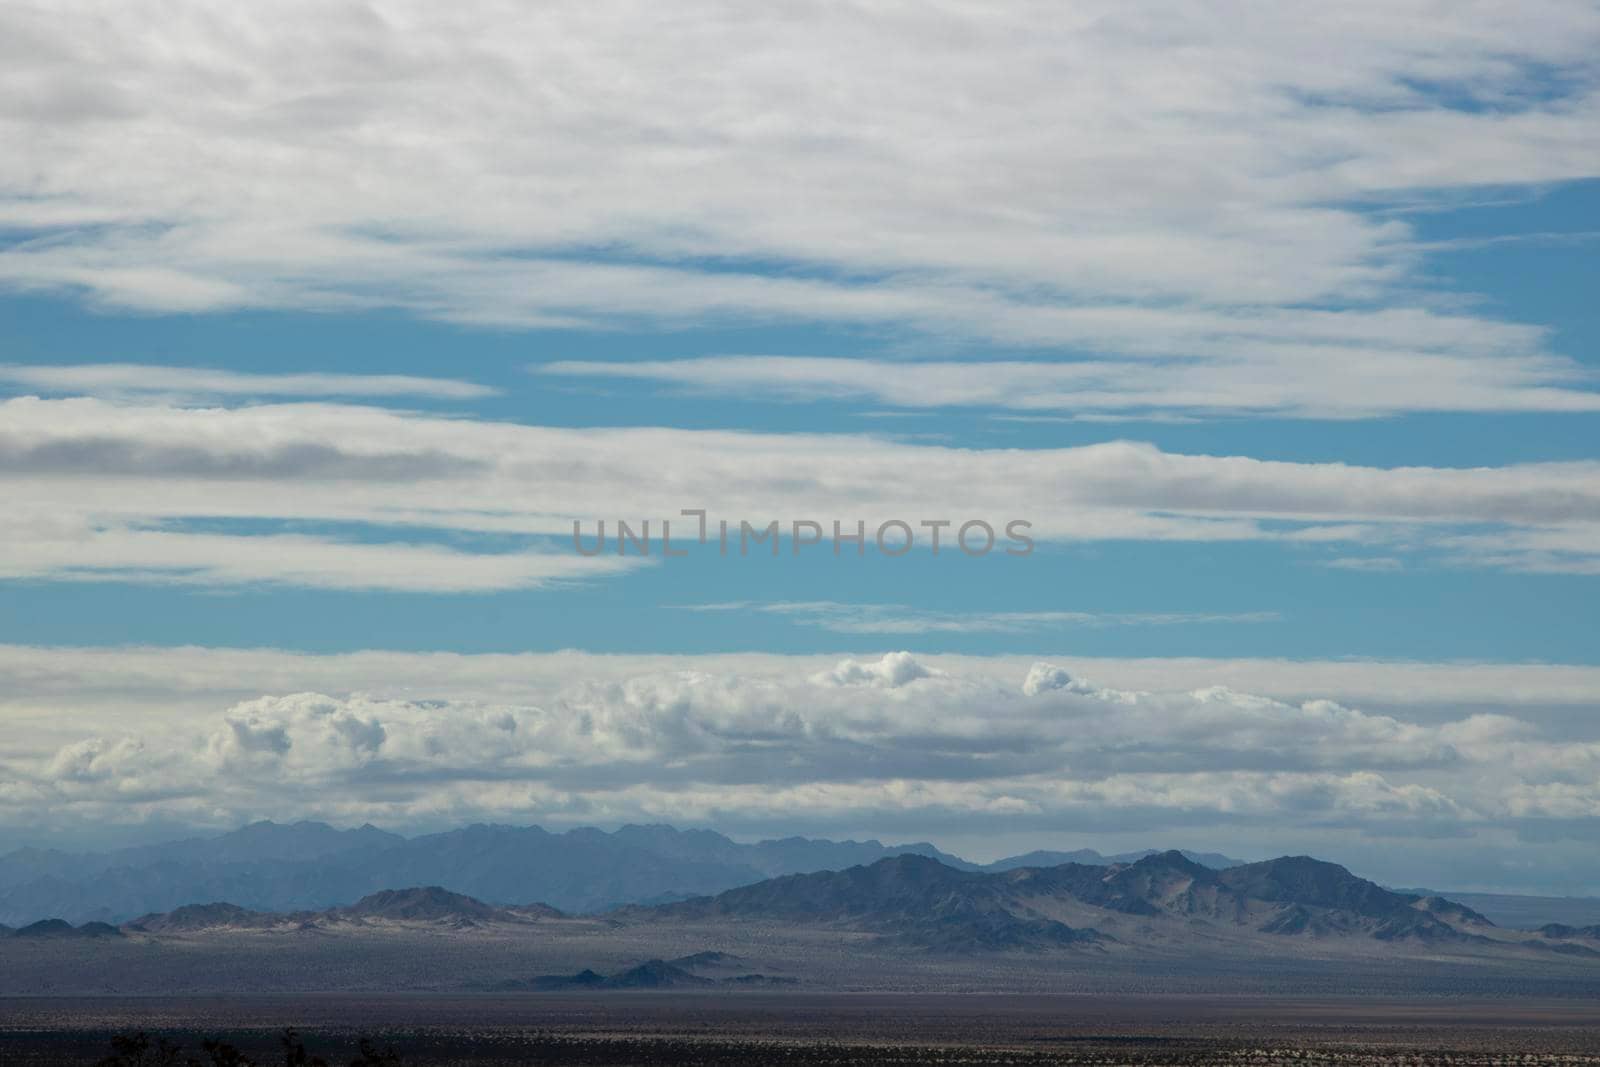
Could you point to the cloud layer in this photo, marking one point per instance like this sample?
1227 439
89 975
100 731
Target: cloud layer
148 491
1190 185
1223 375
882 741
193 383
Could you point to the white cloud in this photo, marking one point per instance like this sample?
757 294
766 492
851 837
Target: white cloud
1047 677
95 487
892 671
83 549
859 741
1218 374
1448 767
1169 180
40 687
135 379
1376 564
906 619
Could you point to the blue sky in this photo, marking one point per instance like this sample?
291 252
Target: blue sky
1284 360
1527 254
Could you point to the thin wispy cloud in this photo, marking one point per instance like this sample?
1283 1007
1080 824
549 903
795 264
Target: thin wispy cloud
906 619
1217 378
1373 564
112 489
143 379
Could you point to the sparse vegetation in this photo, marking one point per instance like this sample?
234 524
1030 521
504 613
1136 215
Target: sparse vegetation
611 1050
698 1029
140 1049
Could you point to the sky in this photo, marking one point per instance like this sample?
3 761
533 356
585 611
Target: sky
1263 340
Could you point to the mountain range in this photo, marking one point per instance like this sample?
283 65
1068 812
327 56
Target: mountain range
310 867
920 901
917 901
305 866
905 921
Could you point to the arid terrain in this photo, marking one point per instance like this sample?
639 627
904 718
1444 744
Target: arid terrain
907 960
903 924
800 1030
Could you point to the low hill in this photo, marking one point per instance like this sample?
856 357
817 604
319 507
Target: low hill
192 917
652 974
418 905
1563 932
60 929
423 903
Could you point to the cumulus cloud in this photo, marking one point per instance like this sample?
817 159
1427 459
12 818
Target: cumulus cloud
864 741
95 760
48 689
892 671
1046 677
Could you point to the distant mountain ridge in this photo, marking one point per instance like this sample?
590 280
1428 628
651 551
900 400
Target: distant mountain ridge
1090 858
1523 911
309 866
1563 932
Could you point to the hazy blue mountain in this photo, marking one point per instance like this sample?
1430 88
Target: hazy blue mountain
796 854
258 842
1047 858
1522 912
58 929
310 866
1090 857
1562 932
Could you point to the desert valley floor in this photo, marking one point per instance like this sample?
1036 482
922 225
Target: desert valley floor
802 1030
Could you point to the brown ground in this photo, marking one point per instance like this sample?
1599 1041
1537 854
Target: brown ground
841 1030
